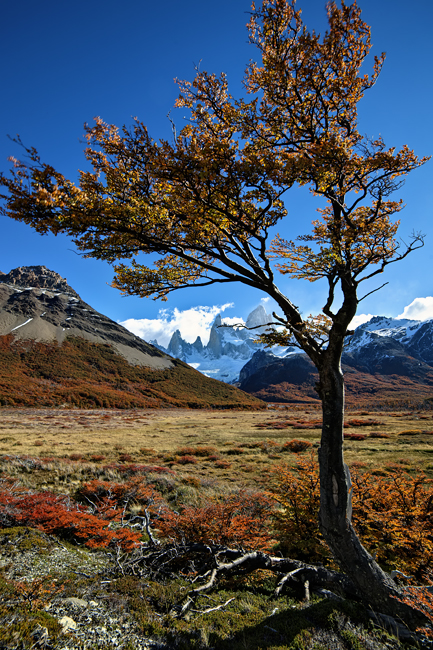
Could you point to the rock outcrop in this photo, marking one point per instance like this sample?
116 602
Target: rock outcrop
38 304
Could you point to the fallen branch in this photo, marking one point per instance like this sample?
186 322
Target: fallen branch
203 565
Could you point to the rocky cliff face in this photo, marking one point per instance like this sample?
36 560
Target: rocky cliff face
228 349
38 304
37 277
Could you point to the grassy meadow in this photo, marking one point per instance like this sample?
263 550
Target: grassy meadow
249 442
187 459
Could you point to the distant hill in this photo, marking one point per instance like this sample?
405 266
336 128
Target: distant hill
57 350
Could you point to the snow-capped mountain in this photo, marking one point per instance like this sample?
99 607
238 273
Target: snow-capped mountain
383 338
229 347
386 360
379 354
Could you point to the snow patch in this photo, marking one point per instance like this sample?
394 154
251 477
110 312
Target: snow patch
22 325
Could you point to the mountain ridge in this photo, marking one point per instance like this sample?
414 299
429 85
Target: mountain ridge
228 350
385 356
55 349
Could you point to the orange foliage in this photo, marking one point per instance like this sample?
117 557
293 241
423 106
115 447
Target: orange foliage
91 375
297 445
392 514
59 515
240 520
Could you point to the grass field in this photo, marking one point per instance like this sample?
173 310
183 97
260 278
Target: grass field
248 441
192 458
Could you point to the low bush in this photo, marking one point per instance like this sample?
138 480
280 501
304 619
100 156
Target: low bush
355 436
186 460
223 464
59 515
296 446
378 434
242 520
392 514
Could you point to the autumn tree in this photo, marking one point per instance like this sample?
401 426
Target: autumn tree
208 203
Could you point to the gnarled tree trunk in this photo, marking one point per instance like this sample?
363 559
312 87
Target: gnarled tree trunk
376 588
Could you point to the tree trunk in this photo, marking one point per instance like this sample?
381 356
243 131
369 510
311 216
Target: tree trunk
376 588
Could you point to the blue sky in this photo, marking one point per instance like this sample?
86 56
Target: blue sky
66 62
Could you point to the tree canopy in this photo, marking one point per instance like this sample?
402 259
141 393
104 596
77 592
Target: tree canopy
207 201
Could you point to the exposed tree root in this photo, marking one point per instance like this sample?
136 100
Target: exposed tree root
204 565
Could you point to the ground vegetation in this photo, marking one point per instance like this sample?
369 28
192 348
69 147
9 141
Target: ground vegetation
141 550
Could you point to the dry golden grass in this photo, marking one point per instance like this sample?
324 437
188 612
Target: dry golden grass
247 444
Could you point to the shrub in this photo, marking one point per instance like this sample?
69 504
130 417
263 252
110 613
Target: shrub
241 520
296 446
131 470
297 490
97 458
223 464
378 434
125 458
201 451
59 515
392 513
410 432
355 422
186 460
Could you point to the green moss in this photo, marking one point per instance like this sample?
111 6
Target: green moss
18 632
22 538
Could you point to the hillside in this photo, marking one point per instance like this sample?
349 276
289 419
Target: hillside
84 374
382 374
56 350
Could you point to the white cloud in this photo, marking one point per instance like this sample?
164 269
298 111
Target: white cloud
265 300
191 323
235 320
419 309
360 319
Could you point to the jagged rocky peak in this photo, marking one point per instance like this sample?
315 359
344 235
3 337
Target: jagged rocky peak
37 277
176 342
198 344
258 317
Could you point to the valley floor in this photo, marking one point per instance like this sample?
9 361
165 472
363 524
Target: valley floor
58 594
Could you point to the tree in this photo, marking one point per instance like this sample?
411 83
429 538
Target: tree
208 201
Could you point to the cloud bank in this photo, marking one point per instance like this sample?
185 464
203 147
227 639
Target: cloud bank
419 309
191 323
360 319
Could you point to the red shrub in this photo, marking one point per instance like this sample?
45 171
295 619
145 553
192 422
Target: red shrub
296 446
223 464
58 515
186 460
97 458
379 434
355 422
131 470
241 520
125 458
